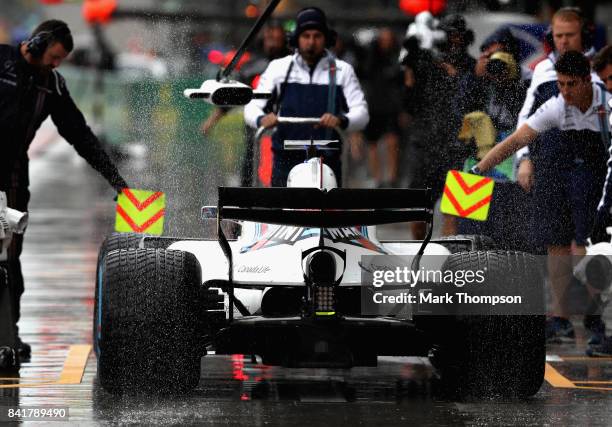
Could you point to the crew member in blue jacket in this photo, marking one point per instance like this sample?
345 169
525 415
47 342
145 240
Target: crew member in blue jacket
309 83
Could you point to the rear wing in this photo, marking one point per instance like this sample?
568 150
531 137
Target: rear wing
312 207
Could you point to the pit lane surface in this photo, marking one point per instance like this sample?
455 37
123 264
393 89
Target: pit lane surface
72 210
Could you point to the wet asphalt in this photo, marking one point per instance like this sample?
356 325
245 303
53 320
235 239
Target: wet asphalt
70 213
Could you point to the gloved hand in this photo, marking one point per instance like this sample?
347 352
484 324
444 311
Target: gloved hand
119 186
603 219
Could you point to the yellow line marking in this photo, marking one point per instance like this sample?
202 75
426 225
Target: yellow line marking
28 385
555 379
592 382
72 373
581 358
75 363
594 388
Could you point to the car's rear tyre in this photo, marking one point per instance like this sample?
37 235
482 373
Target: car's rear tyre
493 355
149 333
458 243
112 242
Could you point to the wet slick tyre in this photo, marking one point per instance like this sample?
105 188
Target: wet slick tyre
486 356
149 339
112 242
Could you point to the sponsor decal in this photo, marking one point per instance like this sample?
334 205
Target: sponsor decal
289 235
253 269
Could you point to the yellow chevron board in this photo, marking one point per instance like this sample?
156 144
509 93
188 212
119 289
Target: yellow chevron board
467 195
140 211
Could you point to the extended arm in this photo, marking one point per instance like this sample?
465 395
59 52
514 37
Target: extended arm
519 138
211 121
72 126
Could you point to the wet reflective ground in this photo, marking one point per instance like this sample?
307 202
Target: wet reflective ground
71 211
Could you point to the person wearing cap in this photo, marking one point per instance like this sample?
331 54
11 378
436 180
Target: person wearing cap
501 40
460 65
455 48
309 83
463 87
504 91
30 91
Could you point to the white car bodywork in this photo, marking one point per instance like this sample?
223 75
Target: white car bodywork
268 255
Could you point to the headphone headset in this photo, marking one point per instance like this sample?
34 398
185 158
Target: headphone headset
330 35
586 28
38 43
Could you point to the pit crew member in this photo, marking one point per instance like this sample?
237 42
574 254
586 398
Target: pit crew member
30 91
602 64
542 164
568 31
309 83
576 112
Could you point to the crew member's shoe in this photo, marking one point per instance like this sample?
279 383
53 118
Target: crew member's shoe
597 327
559 330
8 359
604 349
24 351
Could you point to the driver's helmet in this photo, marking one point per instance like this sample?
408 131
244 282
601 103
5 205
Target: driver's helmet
307 174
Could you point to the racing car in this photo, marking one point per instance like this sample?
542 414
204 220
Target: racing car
288 288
